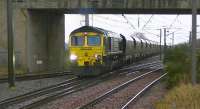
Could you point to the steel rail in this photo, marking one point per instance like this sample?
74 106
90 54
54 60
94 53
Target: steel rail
140 65
46 91
29 95
34 77
39 92
115 90
47 75
142 91
65 92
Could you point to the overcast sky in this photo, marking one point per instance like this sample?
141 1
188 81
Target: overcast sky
131 23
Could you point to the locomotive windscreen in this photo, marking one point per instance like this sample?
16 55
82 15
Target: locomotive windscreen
93 40
77 41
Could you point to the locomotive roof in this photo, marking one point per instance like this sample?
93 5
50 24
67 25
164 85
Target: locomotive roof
91 29
96 29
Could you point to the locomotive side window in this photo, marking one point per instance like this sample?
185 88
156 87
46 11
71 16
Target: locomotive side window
77 41
93 40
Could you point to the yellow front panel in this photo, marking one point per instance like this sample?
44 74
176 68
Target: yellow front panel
87 55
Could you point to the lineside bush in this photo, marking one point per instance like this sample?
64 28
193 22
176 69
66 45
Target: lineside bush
182 97
178 66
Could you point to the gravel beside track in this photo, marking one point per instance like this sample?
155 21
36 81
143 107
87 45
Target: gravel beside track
70 101
147 60
31 76
148 100
116 100
68 88
80 98
23 87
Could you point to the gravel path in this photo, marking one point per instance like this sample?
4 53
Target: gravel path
23 87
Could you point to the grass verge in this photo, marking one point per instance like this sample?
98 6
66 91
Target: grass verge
181 97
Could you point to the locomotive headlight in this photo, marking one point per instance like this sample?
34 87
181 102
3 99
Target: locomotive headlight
98 57
73 57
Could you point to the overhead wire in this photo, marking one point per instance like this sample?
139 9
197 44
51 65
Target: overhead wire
104 22
147 22
113 25
173 21
153 34
129 22
109 24
116 22
111 19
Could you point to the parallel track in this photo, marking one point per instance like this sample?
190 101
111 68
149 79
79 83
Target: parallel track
37 93
62 89
115 90
67 91
125 106
33 77
52 75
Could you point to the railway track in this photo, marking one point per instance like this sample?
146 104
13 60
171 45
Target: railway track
33 77
72 89
36 93
101 99
58 74
126 105
51 93
140 67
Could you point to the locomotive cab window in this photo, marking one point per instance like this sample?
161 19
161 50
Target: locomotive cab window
77 41
93 40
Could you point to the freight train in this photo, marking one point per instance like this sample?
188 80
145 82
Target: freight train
94 50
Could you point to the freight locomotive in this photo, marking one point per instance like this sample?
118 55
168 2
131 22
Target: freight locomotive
94 50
